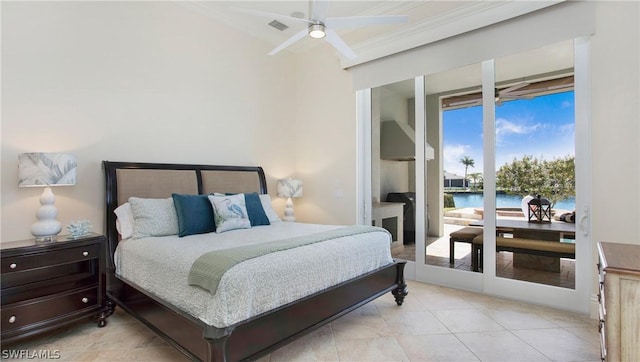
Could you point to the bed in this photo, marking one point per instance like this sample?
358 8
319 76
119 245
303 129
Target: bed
211 336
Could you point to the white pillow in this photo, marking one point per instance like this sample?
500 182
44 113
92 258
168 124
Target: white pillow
524 205
265 199
124 220
229 212
153 217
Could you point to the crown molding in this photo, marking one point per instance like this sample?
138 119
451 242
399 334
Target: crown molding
461 20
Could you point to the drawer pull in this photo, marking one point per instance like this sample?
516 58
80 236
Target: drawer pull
85 300
13 265
12 319
85 253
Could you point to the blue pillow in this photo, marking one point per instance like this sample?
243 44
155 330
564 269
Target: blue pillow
257 216
255 211
195 214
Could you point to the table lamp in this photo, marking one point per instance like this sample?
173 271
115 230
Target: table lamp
46 170
289 188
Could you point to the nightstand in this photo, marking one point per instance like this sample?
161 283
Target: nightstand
47 285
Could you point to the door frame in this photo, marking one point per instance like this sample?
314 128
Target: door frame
577 299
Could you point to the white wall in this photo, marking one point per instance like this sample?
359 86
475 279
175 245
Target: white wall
325 139
136 81
151 82
615 151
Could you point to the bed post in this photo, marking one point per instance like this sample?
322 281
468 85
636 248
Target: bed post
401 291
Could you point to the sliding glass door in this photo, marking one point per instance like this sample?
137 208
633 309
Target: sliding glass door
480 133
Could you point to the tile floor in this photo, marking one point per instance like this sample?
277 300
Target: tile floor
434 324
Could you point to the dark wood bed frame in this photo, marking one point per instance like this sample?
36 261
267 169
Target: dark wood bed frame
252 338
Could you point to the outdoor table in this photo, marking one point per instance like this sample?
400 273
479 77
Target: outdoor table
523 229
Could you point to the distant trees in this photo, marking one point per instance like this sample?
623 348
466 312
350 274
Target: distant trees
467 162
475 177
554 180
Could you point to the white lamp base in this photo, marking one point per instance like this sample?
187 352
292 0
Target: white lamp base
288 211
47 227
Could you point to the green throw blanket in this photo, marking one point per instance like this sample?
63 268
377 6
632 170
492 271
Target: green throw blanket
208 269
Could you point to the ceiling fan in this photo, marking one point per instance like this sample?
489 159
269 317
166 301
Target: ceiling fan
501 95
320 26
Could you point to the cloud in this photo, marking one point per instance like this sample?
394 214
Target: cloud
453 153
504 127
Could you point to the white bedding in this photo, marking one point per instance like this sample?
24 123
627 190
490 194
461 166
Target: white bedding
160 265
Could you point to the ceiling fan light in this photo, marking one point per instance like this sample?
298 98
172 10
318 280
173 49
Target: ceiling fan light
316 31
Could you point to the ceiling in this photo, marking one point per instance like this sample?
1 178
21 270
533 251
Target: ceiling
428 21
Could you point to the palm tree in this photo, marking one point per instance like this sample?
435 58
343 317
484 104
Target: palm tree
467 161
475 177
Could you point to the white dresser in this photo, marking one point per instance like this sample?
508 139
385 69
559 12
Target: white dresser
619 297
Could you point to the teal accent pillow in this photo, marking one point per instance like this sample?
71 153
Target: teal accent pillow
257 216
195 214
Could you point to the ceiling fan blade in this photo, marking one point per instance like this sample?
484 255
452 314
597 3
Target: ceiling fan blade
271 15
334 39
467 103
512 88
319 10
525 92
359 21
297 36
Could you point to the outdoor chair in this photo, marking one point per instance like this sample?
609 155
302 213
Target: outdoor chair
464 235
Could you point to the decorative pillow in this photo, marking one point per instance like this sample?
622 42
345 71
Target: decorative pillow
257 216
524 205
124 220
265 199
230 212
195 214
153 217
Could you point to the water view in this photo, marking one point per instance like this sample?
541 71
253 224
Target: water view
468 199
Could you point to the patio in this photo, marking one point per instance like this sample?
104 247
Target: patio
437 254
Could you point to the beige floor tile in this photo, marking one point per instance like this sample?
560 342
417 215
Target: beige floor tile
156 354
589 333
354 326
565 318
370 349
499 346
415 323
467 320
317 346
517 319
436 347
559 344
422 329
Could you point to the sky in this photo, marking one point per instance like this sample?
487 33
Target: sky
543 127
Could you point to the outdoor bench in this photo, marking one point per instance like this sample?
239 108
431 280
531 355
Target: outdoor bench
525 246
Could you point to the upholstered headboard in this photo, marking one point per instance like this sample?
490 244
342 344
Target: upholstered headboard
160 180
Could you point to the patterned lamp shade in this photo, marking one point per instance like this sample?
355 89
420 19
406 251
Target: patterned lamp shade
289 188
46 169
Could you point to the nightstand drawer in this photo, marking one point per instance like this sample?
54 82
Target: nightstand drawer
37 260
42 309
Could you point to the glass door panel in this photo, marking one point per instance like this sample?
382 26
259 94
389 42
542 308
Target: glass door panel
535 166
393 166
454 186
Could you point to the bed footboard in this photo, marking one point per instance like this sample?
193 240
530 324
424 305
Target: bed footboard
258 336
